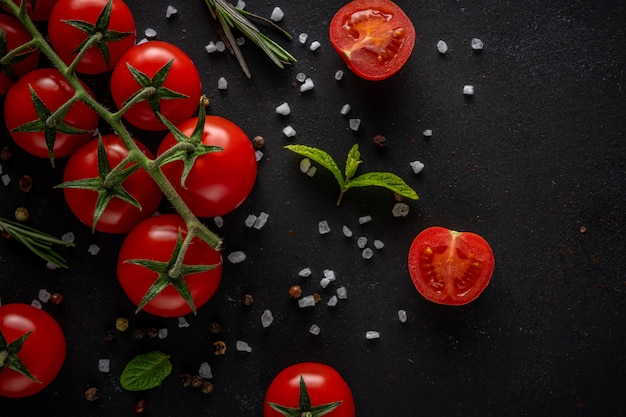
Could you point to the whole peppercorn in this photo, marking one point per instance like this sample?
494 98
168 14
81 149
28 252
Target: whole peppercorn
219 348
248 299
5 153
185 379
196 381
214 327
139 334
295 291
207 387
380 141
121 324
140 406
56 298
92 394
26 183
152 332
21 214
258 141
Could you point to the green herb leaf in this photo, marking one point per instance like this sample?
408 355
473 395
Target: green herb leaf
146 371
384 179
321 157
352 162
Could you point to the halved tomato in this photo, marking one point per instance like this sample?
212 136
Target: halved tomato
374 37
450 267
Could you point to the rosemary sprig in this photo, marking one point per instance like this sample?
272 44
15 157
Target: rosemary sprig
227 17
38 242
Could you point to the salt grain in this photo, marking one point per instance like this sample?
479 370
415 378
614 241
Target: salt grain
36 304
258 155
303 37
330 274
210 47
427 133
236 257
301 77
205 370
277 14
220 46
477 44
44 295
324 282
315 46
400 210
365 219
314 329
219 221
332 301
323 227
367 253
307 301
311 171
240 41
170 12
468 90
361 242
346 231
150 33
93 249
416 166
241 4
354 124
249 222
162 333
68 237
442 47
104 365
345 109
242 346
305 164
378 244
372 334
6 180
267 318
182 322
283 109
222 84
307 85
261 220
305 272
338 75
51 266
402 316
289 131
342 293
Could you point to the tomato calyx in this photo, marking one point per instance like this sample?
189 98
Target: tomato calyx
10 58
98 34
305 409
108 184
172 273
189 148
9 358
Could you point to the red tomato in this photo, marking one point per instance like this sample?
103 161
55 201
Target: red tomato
155 239
450 267
183 78
12 35
38 10
119 215
54 91
323 384
118 35
43 352
219 181
374 37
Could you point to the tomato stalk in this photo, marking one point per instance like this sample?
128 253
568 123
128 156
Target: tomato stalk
114 119
91 41
23 49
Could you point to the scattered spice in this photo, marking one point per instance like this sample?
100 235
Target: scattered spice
317 298
21 214
207 387
25 183
295 291
214 327
140 406
258 141
109 335
380 141
121 324
92 394
219 348
56 298
185 379
248 299
139 334
196 381
152 332
583 229
5 153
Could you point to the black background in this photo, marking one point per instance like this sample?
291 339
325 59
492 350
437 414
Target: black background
535 155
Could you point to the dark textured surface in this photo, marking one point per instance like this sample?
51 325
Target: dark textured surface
536 154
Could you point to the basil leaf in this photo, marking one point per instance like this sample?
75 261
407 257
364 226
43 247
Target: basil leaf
321 158
383 179
352 162
146 371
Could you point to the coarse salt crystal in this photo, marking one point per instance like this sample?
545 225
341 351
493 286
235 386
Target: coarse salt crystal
477 44
44 295
307 85
324 282
330 274
314 329
261 220
305 272
236 257
205 370
242 346
365 219
104 365
249 222
277 14
416 166
428 133
468 90
332 301
6 180
240 41
402 316
338 75
150 33
210 47
378 244
303 37
345 109
315 46
311 171
241 4
283 109
51 266
171 11
323 227
442 47
372 334
361 242
93 249
258 155
307 301
219 221
354 124
289 131
342 293
182 322
367 253
305 164
346 231
301 77
68 237
36 304
400 210
267 318
162 333
222 84
220 46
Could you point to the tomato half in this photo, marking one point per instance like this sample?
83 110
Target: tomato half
177 96
154 239
54 91
324 386
219 181
374 37
42 353
450 267
119 216
12 35
66 38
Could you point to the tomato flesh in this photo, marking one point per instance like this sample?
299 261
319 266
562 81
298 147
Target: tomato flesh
375 38
450 267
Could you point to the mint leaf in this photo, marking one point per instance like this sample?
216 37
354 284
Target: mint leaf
383 179
146 371
352 162
321 158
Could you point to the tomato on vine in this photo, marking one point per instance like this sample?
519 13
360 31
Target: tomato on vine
375 38
32 350
12 36
34 99
148 272
220 172
309 389
450 267
167 70
107 27
109 204
38 10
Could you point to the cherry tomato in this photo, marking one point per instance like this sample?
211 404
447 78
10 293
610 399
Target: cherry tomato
374 37
119 215
155 239
38 10
66 38
42 353
54 91
450 267
219 181
151 59
12 35
324 386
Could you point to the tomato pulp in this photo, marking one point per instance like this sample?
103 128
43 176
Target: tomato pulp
374 37
450 267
